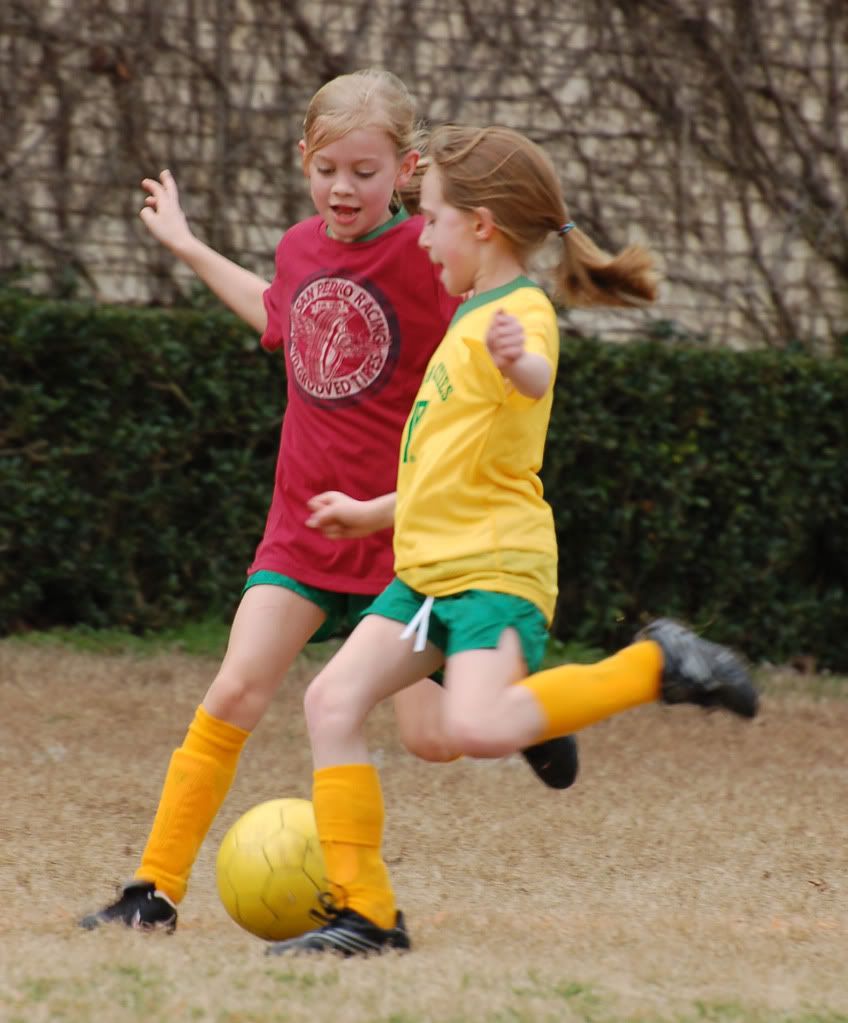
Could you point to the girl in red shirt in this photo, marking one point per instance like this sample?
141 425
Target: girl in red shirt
357 307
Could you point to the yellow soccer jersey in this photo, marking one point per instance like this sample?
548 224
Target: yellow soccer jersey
470 512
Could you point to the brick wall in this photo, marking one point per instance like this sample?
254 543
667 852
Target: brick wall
717 133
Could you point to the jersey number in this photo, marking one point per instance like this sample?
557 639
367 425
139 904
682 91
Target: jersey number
418 410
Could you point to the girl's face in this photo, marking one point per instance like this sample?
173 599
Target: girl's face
449 236
352 181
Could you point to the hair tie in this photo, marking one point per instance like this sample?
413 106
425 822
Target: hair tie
562 231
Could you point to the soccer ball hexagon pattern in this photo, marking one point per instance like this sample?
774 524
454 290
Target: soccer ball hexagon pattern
270 869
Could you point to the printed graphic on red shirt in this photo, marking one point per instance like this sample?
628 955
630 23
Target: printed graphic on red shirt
358 324
344 339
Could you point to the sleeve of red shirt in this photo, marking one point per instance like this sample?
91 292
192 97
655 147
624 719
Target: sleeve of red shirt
275 330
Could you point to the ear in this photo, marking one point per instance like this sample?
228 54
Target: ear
407 168
484 223
303 161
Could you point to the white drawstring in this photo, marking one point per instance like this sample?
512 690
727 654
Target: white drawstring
419 625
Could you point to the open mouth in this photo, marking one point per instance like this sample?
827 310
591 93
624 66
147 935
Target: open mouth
345 214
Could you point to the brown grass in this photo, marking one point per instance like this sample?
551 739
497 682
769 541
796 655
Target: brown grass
696 871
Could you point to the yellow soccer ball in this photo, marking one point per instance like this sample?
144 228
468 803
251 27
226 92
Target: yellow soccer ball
270 869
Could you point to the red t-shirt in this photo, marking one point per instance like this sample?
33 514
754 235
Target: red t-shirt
358 323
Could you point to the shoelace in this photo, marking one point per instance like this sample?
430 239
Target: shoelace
328 913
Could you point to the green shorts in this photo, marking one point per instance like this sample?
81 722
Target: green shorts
343 610
471 620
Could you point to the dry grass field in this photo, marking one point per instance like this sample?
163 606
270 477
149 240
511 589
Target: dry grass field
697 871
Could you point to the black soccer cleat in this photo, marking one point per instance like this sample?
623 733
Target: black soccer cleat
555 761
700 672
345 933
139 906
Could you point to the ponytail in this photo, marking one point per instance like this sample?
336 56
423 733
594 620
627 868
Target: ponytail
587 276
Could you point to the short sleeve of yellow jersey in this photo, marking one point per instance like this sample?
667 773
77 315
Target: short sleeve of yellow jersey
533 308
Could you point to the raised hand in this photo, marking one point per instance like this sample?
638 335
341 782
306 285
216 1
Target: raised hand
162 214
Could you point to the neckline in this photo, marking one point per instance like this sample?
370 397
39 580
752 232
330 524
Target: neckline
493 294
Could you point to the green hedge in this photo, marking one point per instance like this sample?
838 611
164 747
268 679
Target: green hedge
138 451
710 485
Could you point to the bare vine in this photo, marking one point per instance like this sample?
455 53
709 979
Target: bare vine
716 131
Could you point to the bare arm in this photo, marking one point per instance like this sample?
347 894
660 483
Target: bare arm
340 517
237 288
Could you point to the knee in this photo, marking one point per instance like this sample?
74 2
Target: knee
419 719
470 735
430 744
240 696
328 706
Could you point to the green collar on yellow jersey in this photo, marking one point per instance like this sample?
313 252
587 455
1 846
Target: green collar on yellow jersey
492 296
398 218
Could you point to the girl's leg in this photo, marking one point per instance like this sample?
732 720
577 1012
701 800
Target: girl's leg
373 664
270 627
420 720
492 711
482 717
489 715
419 711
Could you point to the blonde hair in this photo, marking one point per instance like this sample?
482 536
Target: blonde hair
503 171
371 98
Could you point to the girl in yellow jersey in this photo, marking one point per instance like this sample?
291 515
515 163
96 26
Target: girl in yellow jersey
475 549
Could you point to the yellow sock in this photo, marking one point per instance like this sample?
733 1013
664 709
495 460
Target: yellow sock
199 776
348 804
573 696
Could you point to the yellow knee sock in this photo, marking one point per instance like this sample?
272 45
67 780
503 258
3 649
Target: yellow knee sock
199 776
349 813
573 696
